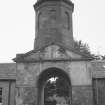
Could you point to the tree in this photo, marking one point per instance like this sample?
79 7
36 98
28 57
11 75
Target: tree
103 57
83 48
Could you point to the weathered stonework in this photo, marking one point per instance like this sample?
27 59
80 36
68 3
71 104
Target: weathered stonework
78 71
82 95
27 74
53 73
53 55
25 96
54 23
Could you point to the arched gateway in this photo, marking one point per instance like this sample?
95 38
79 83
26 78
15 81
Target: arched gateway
54 87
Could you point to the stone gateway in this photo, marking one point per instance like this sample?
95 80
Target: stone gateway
53 73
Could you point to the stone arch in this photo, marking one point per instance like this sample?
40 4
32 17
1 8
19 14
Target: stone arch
61 91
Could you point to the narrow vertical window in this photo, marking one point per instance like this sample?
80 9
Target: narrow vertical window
39 16
67 21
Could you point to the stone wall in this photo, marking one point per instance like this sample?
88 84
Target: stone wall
25 96
79 73
82 95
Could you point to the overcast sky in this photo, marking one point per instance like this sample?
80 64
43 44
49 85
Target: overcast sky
17 26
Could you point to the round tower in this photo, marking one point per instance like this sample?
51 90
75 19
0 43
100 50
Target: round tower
53 23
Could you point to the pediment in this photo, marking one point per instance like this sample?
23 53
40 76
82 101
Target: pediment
52 52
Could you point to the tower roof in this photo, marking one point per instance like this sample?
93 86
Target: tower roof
55 0
41 1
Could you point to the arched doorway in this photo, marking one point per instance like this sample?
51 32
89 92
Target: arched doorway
54 87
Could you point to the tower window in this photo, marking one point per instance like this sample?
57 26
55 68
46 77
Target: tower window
39 16
67 20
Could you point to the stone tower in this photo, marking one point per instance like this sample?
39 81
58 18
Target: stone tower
53 23
53 73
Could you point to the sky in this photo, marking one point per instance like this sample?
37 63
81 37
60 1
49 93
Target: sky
17 26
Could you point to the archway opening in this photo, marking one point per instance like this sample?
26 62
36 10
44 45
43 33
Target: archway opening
54 87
